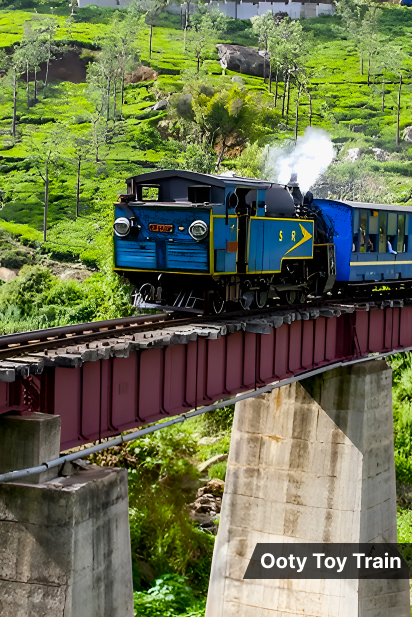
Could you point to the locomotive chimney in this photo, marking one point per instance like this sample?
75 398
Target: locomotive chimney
295 190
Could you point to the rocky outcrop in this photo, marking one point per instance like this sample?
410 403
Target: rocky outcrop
160 105
7 275
241 59
206 508
142 73
218 458
407 133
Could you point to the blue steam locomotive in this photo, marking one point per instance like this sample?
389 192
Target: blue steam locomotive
204 242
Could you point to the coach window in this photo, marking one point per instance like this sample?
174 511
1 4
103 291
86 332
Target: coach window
392 231
363 228
401 233
407 243
355 240
382 232
373 231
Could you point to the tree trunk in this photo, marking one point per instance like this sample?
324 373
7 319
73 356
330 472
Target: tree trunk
122 90
46 202
109 85
399 110
35 85
198 64
369 70
27 86
383 94
276 89
288 98
310 109
47 69
220 157
187 14
264 69
79 164
297 115
284 95
270 77
114 99
13 125
150 41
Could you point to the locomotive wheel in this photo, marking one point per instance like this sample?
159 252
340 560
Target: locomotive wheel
145 294
290 297
301 297
261 298
218 304
246 296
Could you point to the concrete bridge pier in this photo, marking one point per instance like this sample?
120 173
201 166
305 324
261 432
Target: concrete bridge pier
310 462
64 541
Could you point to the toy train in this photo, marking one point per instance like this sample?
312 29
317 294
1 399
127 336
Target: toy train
192 241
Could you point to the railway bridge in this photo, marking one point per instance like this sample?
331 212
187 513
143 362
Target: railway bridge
311 457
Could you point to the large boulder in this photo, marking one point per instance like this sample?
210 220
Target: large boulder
407 133
142 73
241 59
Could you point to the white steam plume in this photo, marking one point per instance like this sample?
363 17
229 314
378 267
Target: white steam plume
309 158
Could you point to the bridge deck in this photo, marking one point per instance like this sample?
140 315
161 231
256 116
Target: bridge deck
107 386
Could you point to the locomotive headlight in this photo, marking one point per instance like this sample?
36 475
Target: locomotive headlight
121 226
198 230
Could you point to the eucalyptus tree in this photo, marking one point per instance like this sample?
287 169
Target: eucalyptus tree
46 28
371 40
151 9
202 33
264 27
80 148
390 59
45 157
289 47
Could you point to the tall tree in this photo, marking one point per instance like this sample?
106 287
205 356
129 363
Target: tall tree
151 10
201 36
390 60
45 157
80 148
46 27
264 27
352 13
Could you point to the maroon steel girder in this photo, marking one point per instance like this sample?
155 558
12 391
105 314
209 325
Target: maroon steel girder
105 397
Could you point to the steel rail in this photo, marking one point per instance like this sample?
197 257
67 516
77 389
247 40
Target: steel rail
21 474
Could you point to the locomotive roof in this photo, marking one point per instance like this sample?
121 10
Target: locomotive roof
387 207
211 179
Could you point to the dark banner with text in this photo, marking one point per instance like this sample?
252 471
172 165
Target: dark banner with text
330 561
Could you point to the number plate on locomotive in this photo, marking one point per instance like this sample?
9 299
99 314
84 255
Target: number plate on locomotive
161 228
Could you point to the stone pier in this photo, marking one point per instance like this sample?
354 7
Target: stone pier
64 539
310 462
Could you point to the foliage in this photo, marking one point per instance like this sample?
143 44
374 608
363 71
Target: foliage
402 413
218 421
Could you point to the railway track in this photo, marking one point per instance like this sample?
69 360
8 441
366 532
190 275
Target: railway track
26 343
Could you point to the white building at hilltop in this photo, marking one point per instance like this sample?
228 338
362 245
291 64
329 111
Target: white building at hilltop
242 9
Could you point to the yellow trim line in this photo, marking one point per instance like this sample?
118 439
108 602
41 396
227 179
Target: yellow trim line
381 263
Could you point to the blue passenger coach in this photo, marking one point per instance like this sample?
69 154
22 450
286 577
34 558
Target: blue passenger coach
372 241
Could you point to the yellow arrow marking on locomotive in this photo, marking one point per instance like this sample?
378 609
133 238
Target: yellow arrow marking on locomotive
306 236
